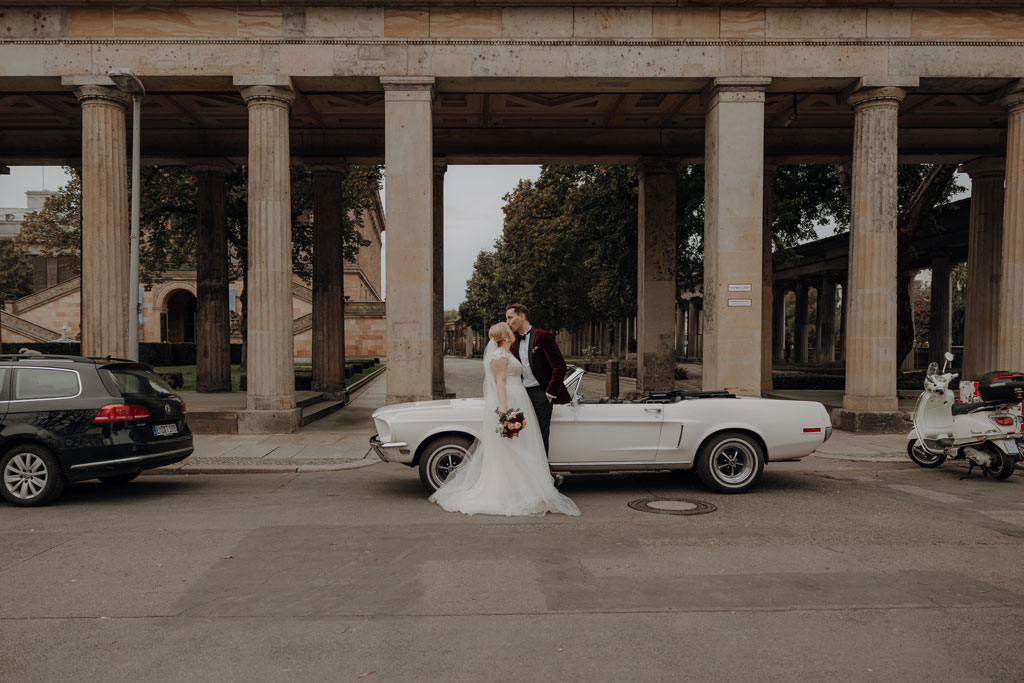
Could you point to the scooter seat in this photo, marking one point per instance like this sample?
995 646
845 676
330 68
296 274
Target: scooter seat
965 408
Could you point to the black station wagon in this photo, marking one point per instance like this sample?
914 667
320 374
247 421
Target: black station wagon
67 418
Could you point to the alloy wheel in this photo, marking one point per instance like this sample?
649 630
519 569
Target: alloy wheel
733 462
25 475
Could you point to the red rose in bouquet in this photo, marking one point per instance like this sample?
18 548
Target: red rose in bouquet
510 423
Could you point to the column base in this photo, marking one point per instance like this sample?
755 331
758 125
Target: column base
269 421
879 422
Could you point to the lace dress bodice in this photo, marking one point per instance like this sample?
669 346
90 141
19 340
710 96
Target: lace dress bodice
515 368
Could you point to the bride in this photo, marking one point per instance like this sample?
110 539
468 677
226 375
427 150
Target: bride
505 476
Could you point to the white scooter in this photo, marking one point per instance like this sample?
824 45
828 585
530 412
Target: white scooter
982 433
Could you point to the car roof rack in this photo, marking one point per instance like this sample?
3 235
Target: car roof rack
40 356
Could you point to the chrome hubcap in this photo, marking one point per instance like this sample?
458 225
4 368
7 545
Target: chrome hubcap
733 462
25 475
446 461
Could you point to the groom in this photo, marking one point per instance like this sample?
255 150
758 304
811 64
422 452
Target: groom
543 365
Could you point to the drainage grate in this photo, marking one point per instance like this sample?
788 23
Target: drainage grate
672 506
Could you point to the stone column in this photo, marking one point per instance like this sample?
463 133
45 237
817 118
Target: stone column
692 316
940 337
408 158
733 225
984 265
270 392
779 323
328 278
1010 345
767 299
656 275
700 330
801 330
842 318
680 333
870 401
213 322
106 301
468 340
437 372
827 320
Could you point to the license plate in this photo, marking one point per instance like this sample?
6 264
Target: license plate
165 430
1011 447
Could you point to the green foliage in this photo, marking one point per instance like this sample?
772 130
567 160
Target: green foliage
56 228
15 272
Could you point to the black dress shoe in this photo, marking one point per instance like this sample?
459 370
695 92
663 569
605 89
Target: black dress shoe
559 480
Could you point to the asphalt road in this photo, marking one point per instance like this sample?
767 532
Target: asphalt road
830 570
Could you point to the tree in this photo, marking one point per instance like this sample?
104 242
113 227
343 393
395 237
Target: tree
15 273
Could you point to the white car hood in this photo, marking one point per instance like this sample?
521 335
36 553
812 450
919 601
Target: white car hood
386 412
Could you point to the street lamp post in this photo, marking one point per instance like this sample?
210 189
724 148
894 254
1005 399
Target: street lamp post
127 82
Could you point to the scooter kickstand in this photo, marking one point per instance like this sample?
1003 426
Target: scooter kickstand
970 469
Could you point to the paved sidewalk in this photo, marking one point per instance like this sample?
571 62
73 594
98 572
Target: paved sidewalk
340 441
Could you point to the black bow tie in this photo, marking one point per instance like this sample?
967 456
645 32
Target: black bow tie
520 337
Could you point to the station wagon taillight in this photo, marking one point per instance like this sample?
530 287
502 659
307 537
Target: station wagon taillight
120 412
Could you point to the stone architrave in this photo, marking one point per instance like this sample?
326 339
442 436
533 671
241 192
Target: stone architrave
106 301
1010 344
940 333
827 320
984 265
734 184
801 328
656 275
213 323
767 267
408 158
328 281
870 400
270 394
437 289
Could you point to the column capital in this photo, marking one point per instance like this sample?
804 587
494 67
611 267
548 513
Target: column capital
409 87
984 167
273 95
884 96
214 166
102 94
326 165
1013 101
657 166
734 90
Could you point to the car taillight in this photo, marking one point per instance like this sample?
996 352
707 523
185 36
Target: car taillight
119 412
808 430
183 411
1003 420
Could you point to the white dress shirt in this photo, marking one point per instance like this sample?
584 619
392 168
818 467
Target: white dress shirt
529 380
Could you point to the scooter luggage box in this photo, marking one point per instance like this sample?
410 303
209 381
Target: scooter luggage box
1002 385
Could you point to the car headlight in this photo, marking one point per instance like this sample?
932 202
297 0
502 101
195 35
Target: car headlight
383 429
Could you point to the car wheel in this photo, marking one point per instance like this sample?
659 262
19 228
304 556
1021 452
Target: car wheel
119 479
922 457
439 459
30 475
730 462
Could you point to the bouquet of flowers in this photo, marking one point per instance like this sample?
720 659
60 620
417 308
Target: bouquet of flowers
510 423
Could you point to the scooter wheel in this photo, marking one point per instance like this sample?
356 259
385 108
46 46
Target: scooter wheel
921 457
1004 468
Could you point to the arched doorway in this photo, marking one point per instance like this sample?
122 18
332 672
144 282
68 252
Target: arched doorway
181 317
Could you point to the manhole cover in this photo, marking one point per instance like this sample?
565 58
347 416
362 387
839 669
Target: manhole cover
672 506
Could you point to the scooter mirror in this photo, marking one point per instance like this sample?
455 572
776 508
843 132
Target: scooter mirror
948 356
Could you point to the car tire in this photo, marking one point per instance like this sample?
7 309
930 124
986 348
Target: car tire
922 457
119 479
440 457
30 475
730 462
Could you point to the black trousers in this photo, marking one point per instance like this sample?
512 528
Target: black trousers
542 406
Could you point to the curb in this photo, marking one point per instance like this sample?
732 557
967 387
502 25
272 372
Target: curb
226 467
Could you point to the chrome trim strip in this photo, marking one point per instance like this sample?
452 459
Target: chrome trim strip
138 458
680 442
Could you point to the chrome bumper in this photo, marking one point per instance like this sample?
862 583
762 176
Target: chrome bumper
380 448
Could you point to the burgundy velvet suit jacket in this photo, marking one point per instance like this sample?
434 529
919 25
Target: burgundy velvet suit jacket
546 363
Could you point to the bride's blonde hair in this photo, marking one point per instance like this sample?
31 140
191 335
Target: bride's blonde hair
499 331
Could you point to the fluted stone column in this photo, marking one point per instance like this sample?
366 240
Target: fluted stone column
213 322
1010 344
270 394
767 269
408 158
984 265
871 331
779 322
801 329
692 322
106 301
842 319
656 276
328 278
827 320
940 333
733 207
680 333
437 373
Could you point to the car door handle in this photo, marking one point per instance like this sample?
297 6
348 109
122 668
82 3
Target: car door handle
652 410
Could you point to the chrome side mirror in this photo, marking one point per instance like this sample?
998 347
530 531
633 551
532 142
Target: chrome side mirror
948 356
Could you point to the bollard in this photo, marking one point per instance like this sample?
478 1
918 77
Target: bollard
611 378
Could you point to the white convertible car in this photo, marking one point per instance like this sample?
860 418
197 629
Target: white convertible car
727 438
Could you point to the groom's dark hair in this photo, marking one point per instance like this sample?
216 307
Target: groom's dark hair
519 308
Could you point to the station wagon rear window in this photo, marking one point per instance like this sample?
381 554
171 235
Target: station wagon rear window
138 382
36 383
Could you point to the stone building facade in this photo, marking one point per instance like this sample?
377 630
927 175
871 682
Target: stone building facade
737 85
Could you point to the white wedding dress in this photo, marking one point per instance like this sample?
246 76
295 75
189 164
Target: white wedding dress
504 476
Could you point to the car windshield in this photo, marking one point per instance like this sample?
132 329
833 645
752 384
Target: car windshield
138 382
